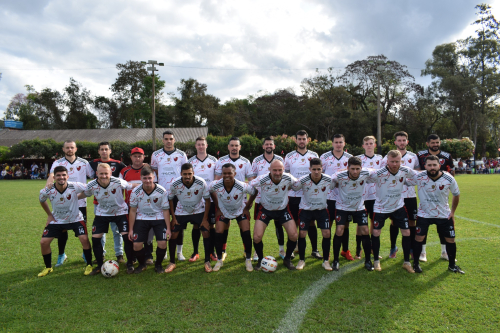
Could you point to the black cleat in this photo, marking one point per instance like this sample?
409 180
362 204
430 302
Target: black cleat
130 269
159 269
335 265
292 255
139 269
258 267
369 266
456 269
288 264
316 254
95 271
417 268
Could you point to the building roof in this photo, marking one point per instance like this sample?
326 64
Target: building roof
9 137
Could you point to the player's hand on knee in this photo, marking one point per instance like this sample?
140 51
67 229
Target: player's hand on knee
131 236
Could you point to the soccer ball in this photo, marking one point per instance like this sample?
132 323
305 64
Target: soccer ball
269 264
110 268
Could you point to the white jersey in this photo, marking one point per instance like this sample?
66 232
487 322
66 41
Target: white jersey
190 198
110 200
390 188
351 191
65 204
370 163
232 203
298 165
409 160
149 206
273 196
78 171
313 194
433 195
242 165
331 165
168 165
204 169
260 166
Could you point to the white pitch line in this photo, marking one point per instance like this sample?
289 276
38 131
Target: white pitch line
476 221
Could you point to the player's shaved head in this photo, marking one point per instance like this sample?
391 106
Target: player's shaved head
276 168
275 164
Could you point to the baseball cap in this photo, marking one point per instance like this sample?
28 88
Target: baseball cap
136 150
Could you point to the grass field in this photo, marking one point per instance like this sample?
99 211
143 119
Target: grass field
232 299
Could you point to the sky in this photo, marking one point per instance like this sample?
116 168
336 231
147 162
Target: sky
237 48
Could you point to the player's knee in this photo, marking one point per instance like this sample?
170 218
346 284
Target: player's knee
45 241
449 240
205 233
303 233
339 231
326 233
257 238
376 232
161 244
138 246
405 232
419 238
363 230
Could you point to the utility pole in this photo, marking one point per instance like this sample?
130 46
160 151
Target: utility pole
380 69
153 120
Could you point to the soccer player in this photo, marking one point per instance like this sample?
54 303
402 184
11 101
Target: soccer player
229 195
104 150
446 161
167 163
410 160
274 189
78 170
315 187
65 215
149 210
434 187
334 161
372 161
260 166
204 167
111 207
243 170
193 206
297 164
350 201
390 204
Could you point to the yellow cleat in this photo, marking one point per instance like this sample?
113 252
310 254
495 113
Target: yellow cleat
45 271
88 270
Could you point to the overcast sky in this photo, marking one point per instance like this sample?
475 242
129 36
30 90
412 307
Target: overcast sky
45 42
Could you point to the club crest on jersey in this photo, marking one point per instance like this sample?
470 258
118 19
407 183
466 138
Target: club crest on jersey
433 187
276 190
338 164
354 184
68 197
113 191
105 193
417 230
441 187
148 201
168 159
441 161
236 197
45 232
71 169
361 183
310 158
283 188
401 179
203 166
302 159
196 192
136 236
78 167
189 193
302 224
337 218
315 190
61 199
175 159
113 169
93 228
228 197
375 224
394 181
409 160
155 200
371 163
345 163
323 188
378 162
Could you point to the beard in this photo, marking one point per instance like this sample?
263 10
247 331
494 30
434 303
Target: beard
433 173
434 148
269 150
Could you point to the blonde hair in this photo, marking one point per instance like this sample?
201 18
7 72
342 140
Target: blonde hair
369 137
393 153
104 165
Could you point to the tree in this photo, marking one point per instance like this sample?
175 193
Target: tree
142 112
77 101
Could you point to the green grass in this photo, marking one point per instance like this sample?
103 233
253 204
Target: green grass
234 300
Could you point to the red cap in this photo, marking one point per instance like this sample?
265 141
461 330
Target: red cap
137 150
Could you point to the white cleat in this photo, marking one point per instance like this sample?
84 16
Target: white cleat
248 265
423 257
255 256
444 256
300 265
218 265
180 256
326 265
282 254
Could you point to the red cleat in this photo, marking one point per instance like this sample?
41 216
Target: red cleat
347 255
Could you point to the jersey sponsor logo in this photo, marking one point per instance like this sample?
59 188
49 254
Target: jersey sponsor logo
78 167
323 189
68 196
113 191
345 163
235 197
310 158
441 187
136 236
45 232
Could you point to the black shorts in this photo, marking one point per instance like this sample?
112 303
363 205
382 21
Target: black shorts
399 218
332 210
321 216
101 224
142 227
369 207
211 213
279 216
84 213
445 227
411 208
342 217
256 210
293 206
55 230
183 220
237 218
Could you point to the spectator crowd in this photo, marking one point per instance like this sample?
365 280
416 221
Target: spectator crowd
19 171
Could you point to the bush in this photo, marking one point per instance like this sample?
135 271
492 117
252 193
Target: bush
458 148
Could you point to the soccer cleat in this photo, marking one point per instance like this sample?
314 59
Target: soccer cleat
416 268
455 269
292 256
316 254
224 256
213 257
335 265
166 255
444 256
194 257
159 269
376 265
149 262
95 271
258 267
255 256
423 257
170 267
369 266
218 265
282 254
180 256
45 271
120 259
347 255
88 270
208 267
407 266
248 265
326 265
300 265
139 269
61 259
392 253
130 269
288 264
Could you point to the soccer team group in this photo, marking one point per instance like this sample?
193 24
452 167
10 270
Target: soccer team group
301 193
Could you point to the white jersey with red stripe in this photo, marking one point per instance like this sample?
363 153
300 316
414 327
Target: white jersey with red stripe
409 160
273 196
242 165
78 171
232 203
64 204
191 199
370 163
110 200
313 194
168 165
297 165
260 166
351 191
331 165
433 195
149 206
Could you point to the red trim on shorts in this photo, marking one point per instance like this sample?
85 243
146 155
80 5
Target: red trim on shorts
84 226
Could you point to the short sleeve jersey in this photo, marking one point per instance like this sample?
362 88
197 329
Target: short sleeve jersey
204 169
409 160
78 171
190 198
116 167
232 203
331 165
168 165
370 163
149 206
297 165
313 194
273 196
445 159
351 191
132 176
64 204
433 195
242 165
109 198
260 166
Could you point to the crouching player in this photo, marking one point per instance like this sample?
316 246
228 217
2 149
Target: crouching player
65 215
229 195
149 209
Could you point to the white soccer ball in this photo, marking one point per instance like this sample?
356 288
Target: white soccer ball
110 268
269 264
